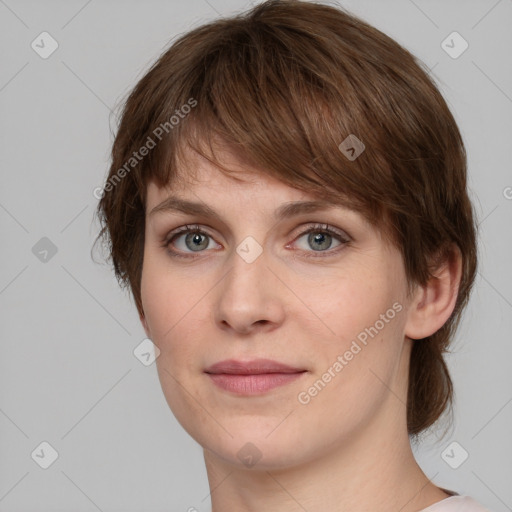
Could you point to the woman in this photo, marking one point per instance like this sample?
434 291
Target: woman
287 202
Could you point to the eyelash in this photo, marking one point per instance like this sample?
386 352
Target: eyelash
316 228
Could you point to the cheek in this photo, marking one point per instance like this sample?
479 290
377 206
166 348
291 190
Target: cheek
353 376
177 316
176 322
361 322
166 297
343 305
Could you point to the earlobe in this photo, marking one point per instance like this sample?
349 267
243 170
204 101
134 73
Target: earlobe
435 301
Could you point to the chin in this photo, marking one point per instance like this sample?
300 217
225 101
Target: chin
257 455
256 443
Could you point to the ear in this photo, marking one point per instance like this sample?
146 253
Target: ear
434 302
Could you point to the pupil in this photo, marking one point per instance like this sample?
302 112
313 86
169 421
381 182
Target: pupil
320 239
195 238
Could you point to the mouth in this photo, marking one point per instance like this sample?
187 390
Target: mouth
252 377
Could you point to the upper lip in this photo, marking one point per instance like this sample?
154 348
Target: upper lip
254 367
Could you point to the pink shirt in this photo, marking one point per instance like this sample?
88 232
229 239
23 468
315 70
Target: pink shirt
456 504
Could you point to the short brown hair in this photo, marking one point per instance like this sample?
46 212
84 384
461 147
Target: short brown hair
284 84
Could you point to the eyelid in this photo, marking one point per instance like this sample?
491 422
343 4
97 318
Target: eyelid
324 227
343 238
187 228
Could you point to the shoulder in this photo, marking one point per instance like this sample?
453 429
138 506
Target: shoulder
456 504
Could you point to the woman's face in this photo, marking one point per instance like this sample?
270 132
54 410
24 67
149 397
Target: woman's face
246 283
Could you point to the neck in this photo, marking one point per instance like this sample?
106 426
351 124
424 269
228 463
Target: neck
372 472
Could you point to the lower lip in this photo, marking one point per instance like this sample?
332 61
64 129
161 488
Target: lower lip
252 384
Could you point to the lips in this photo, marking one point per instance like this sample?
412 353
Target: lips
254 367
252 377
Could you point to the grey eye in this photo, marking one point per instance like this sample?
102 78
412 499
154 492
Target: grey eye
194 241
317 241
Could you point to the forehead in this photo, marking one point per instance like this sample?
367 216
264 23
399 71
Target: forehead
211 184
200 189
232 185
231 174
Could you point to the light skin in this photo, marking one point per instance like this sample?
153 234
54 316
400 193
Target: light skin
348 448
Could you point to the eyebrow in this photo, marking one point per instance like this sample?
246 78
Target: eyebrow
286 210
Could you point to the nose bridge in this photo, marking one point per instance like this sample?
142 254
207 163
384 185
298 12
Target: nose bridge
246 296
248 271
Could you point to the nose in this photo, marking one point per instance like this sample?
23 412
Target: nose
249 297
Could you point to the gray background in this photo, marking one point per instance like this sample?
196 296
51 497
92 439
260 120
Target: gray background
68 373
